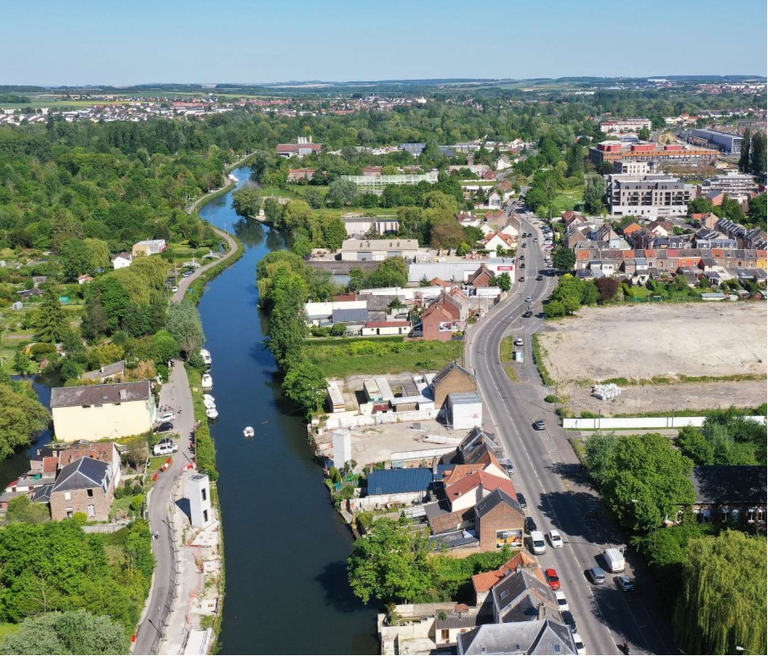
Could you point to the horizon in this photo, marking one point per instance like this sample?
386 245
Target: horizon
82 44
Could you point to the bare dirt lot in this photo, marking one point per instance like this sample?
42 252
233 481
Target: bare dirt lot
641 343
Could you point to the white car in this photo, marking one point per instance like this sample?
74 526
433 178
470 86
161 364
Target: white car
562 602
556 540
581 650
168 416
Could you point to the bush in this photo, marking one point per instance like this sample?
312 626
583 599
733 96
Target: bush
205 452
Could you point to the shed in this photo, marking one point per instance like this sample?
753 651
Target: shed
335 398
399 481
465 410
372 391
355 316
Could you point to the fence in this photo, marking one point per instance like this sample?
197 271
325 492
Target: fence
165 611
619 423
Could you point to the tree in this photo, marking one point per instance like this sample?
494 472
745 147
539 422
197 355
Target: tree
758 154
391 564
589 293
594 192
644 134
247 201
504 282
744 159
564 259
305 384
186 327
722 604
574 158
341 192
297 214
758 211
49 319
21 361
99 250
607 287
287 326
109 353
71 632
334 233
700 205
21 509
22 417
76 259
447 233
392 272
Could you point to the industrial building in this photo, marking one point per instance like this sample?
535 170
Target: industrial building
728 143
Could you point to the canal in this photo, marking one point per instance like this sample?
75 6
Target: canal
285 547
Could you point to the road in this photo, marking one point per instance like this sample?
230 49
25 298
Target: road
184 283
176 397
547 472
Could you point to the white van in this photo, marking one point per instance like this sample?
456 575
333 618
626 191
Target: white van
538 545
165 448
614 559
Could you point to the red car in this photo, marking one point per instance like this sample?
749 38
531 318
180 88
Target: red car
552 578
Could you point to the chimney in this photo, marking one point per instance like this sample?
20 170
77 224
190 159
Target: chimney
541 612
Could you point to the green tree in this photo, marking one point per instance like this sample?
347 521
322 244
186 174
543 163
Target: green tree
392 272
447 233
758 154
722 604
247 201
49 319
744 158
21 509
22 417
564 259
574 158
99 250
700 205
71 632
644 134
185 326
391 564
21 361
287 327
305 384
341 192
334 233
594 193
504 282
76 259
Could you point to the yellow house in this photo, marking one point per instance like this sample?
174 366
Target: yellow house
762 262
94 412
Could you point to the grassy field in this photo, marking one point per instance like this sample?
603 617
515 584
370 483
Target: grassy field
345 357
568 199
7 628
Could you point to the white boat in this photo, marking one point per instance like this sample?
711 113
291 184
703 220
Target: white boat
248 431
206 355
209 401
212 413
207 382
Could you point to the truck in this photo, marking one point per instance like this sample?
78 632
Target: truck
614 559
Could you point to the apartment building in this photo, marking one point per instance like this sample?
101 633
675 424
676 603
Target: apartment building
682 155
648 196
625 125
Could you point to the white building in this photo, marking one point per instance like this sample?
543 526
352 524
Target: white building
122 260
197 490
464 410
625 125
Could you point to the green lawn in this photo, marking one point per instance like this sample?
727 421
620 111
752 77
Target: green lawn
347 357
567 199
6 628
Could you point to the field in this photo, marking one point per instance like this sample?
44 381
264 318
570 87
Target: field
344 357
567 199
664 356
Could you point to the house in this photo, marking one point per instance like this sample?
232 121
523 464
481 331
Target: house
84 486
707 220
84 280
122 260
499 521
661 228
503 163
101 451
494 199
494 216
521 597
730 493
149 247
94 412
453 378
294 175
575 236
108 373
631 228
469 490
571 218
304 146
484 582
499 240
541 636
483 277
377 250
396 486
438 323
717 197
464 410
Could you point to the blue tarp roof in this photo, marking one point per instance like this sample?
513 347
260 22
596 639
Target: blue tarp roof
397 481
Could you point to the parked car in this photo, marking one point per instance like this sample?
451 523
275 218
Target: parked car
535 240
525 245
528 299
562 602
165 449
522 265
168 416
521 500
539 424
596 575
519 341
508 466
164 427
187 274
555 539
581 650
530 524
552 578
625 583
538 546
569 620
521 278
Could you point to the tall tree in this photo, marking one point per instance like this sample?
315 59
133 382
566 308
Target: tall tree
594 193
186 327
758 154
744 159
722 605
49 319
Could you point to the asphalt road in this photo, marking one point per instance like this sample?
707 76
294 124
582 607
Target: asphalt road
547 472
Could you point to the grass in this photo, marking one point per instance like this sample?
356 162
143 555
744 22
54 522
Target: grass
506 355
538 358
664 380
339 359
6 628
511 373
567 199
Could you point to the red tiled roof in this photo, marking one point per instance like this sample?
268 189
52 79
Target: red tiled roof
486 580
489 482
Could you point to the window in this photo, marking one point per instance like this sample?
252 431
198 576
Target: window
504 594
556 648
735 514
89 492
203 493
445 635
67 496
91 510
69 513
205 516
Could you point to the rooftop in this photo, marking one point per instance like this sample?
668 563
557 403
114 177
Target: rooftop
86 395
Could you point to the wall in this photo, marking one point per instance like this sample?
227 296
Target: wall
109 420
380 500
341 420
618 423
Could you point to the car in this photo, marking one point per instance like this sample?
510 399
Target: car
168 416
525 245
538 546
539 277
521 500
164 427
535 240
187 274
508 466
552 578
581 650
625 583
569 620
555 539
527 314
539 424
519 341
165 449
530 524
596 575
562 602
522 265
528 299
174 289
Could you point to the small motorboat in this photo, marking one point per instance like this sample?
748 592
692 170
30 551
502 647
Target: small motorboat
209 401
248 431
207 382
206 355
212 413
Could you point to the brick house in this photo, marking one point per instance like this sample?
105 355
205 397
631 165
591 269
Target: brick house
437 324
454 378
499 521
84 486
484 582
483 277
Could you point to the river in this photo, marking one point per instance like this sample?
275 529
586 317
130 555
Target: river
285 547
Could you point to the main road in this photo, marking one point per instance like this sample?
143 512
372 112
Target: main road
547 472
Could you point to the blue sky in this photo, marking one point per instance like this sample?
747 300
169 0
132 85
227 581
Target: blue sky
143 41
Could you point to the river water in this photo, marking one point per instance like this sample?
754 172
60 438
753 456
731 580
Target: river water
285 547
